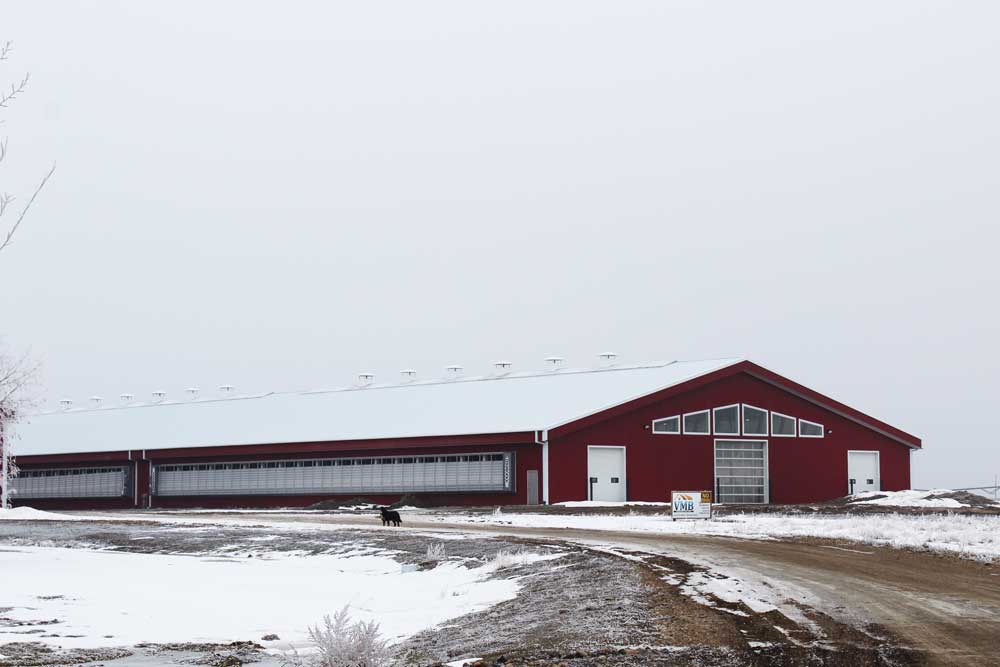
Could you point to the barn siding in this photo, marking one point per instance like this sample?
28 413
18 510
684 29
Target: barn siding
800 469
527 457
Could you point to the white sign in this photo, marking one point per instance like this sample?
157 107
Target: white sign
691 504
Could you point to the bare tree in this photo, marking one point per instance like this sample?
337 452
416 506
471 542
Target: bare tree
18 376
17 373
7 97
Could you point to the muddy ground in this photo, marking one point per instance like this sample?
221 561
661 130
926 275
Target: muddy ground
584 609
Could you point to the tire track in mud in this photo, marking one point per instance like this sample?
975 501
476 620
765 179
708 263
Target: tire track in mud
943 606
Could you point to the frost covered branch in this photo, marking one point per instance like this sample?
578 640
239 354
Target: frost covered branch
340 643
6 97
8 238
17 376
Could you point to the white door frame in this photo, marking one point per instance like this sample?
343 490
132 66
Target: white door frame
624 466
878 466
767 464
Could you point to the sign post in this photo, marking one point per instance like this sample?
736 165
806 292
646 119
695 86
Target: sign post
691 505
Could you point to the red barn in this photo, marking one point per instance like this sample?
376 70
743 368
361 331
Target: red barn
615 433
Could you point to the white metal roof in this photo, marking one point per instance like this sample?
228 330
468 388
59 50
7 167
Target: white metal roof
503 403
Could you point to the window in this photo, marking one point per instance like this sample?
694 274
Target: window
782 426
809 429
727 420
696 423
667 425
754 420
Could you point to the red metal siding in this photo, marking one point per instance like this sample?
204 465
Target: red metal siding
800 469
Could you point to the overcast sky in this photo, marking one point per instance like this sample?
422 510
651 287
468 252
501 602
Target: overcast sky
280 195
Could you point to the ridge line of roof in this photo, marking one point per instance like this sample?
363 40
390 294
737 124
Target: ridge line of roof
732 362
399 385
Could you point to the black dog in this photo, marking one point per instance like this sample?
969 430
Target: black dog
390 516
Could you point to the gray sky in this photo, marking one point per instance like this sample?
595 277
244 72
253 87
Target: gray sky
280 197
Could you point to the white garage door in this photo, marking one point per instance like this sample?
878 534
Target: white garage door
606 471
862 472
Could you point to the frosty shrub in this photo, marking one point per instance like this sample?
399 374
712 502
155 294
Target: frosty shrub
505 559
436 552
340 643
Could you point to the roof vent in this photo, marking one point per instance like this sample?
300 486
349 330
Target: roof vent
554 362
159 395
454 370
608 357
126 398
192 392
502 366
96 401
366 378
65 403
408 374
226 389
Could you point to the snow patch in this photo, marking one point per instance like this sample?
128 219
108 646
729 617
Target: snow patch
970 536
31 514
222 599
910 498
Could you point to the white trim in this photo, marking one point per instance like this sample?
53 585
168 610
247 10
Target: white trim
878 466
663 419
743 420
545 473
698 412
767 466
739 417
544 441
624 481
795 426
822 429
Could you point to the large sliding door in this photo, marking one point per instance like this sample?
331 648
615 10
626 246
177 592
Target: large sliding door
741 471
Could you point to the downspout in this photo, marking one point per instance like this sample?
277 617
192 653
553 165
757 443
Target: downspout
134 473
544 442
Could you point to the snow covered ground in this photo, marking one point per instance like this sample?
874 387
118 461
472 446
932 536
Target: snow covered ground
104 598
910 498
31 514
970 536
976 537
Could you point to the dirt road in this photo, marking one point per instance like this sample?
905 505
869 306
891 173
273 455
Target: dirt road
948 607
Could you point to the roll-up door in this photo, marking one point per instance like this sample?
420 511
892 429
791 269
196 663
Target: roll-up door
741 471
